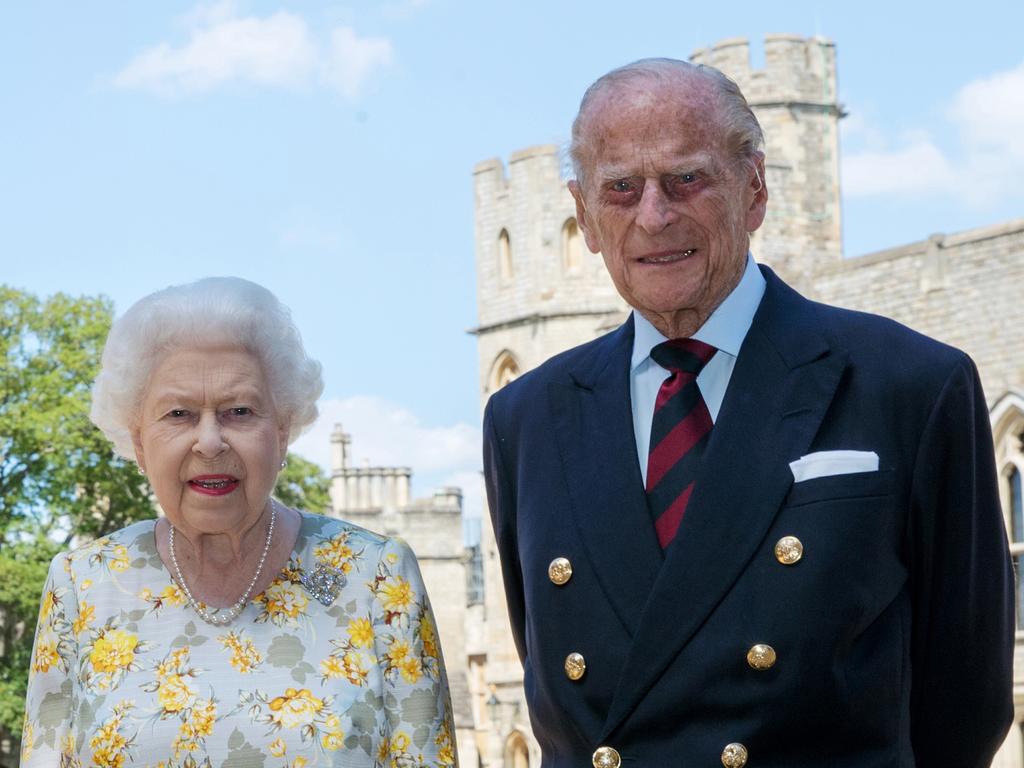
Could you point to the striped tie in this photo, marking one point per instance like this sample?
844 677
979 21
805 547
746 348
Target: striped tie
679 432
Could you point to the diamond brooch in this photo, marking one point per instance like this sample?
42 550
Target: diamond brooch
324 583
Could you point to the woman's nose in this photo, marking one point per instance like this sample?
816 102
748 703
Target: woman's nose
209 436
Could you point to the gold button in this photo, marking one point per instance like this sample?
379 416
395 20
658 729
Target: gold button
575 666
560 571
734 756
606 757
789 550
761 657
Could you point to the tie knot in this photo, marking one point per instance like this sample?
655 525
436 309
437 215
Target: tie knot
686 355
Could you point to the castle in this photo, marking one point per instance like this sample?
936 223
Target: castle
540 292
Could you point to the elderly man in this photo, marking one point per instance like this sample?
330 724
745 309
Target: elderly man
743 527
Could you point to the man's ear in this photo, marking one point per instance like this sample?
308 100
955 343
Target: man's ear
759 197
581 217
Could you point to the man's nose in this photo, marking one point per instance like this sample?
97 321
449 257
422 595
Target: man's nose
655 211
210 441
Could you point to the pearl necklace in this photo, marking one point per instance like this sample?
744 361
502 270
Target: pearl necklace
224 616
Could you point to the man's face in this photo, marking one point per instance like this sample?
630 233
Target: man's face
664 202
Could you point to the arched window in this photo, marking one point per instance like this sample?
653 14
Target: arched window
517 752
505 369
504 255
572 248
1015 508
1008 435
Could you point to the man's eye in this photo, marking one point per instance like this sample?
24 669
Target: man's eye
622 185
679 184
240 411
177 413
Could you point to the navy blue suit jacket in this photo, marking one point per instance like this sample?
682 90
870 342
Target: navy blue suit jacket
894 633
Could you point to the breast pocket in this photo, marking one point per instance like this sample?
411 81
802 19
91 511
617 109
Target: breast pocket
858 485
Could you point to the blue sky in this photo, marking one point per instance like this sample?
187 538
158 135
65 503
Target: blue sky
325 150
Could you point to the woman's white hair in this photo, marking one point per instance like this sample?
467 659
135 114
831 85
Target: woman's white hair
215 311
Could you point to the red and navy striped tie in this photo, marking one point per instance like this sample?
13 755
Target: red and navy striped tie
679 433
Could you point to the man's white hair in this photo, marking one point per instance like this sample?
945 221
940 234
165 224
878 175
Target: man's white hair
739 125
213 312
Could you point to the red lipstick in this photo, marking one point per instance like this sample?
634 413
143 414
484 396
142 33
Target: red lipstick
213 485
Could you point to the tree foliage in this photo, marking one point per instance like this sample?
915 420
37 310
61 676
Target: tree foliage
303 485
58 474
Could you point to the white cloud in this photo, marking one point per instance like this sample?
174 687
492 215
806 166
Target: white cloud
386 434
990 112
919 168
986 164
277 51
352 60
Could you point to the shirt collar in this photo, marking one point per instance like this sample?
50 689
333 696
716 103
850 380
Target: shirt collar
725 329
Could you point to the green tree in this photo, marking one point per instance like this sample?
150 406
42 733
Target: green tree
58 474
303 485
59 478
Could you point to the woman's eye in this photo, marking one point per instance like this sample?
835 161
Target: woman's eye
177 413
240 411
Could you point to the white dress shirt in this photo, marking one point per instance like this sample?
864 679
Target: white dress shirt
724 330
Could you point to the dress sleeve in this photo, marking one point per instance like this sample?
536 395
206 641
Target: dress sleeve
962 642
48 702
418 728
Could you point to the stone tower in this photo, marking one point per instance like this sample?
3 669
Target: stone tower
795 99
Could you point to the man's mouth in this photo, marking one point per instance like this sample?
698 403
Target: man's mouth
214 485
667 257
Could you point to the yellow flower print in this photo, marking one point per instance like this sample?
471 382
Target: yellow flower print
119 559
172 595
86 584
284 602
49 602
277 747
244 656
398 651
332 740
46 652
360 632
296 708
392 558
332 668
411 669
355 670
300 762
108 744
204 715
428 634
86 613
113 651
397 594
174 694
400 742
336 553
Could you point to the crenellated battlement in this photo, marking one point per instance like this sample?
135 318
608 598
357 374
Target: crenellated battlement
796 70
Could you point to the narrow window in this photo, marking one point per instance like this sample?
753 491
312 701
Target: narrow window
504 255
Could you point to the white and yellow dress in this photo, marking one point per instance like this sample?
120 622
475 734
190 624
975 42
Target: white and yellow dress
124 672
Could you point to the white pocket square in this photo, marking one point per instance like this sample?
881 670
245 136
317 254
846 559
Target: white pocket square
827 463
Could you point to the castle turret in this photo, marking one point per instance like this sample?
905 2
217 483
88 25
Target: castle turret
795 99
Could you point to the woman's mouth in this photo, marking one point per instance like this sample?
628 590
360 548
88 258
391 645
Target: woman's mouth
213 485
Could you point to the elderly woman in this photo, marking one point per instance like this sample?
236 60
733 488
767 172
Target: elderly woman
233 631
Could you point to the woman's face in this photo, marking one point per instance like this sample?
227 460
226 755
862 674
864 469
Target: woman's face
210 439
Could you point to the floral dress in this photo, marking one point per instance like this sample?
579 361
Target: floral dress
124 672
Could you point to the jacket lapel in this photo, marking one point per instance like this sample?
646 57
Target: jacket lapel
785 377
594 428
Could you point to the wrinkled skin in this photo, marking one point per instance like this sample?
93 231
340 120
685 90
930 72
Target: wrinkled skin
663 200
